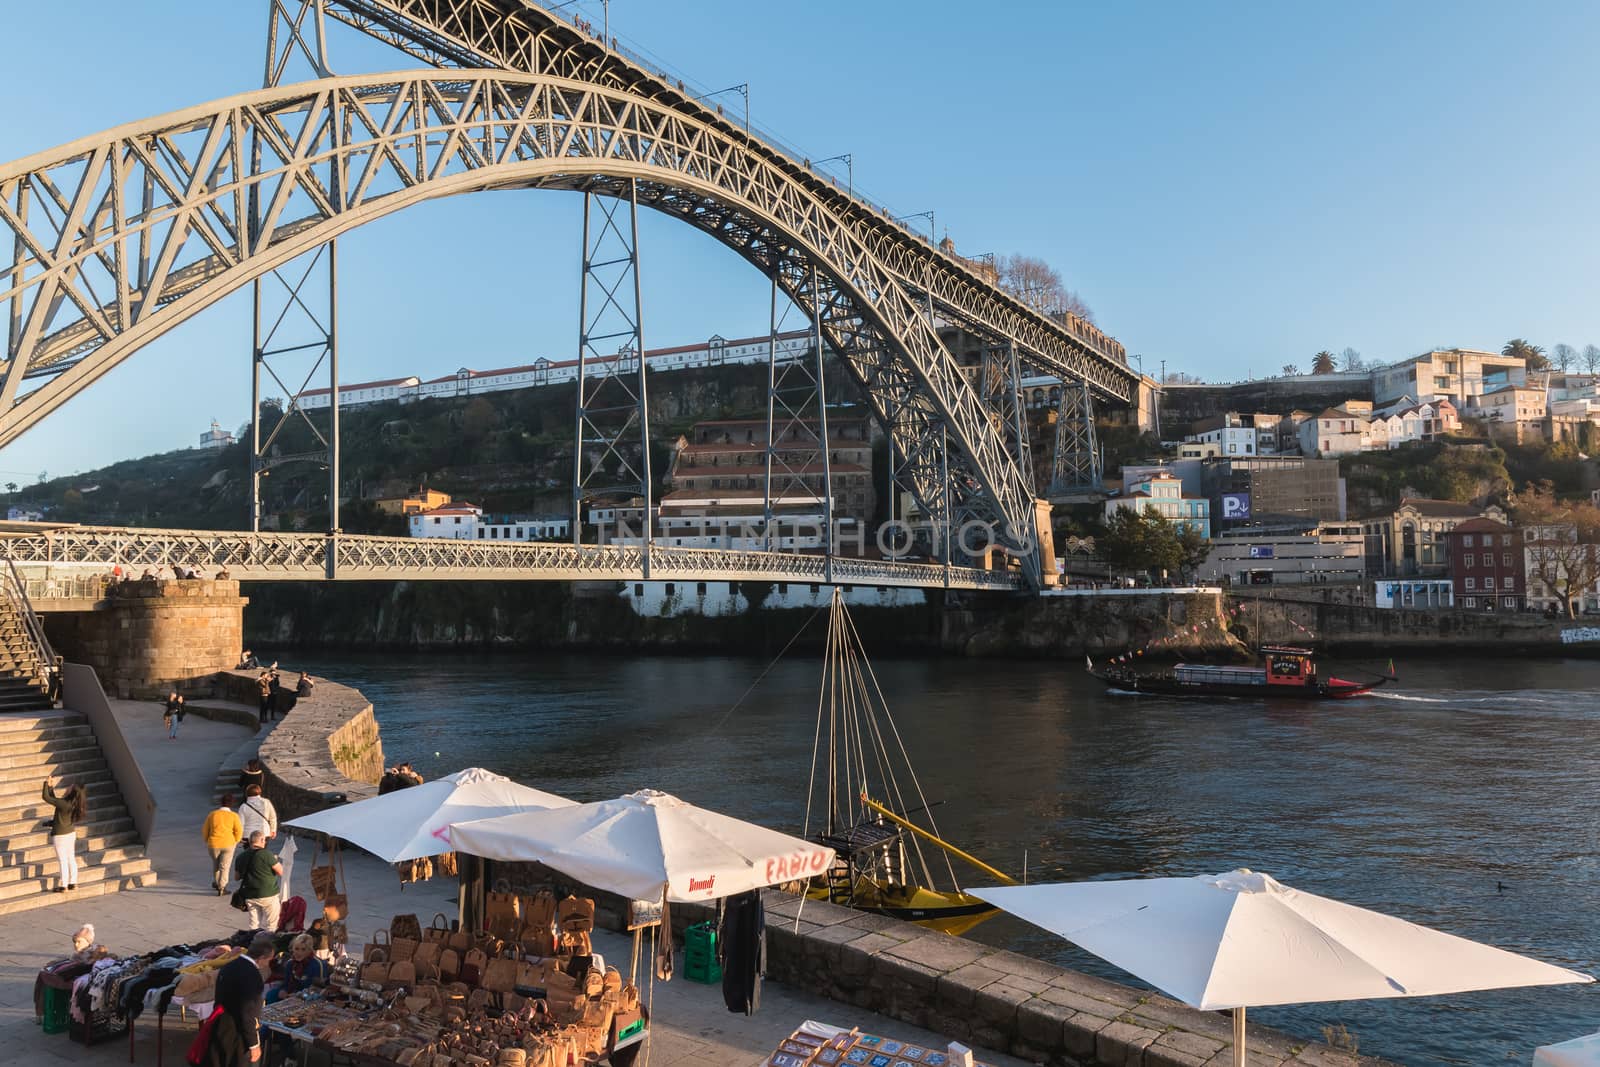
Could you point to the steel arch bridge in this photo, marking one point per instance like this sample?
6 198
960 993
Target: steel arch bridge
120 236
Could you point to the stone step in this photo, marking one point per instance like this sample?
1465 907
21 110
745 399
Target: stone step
12 725
44 740
44 864
31 699
53 768
77 748
26 793
95 834
93 882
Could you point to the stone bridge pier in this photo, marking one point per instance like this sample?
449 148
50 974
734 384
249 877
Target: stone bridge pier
148 637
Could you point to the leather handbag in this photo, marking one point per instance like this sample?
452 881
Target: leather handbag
460 940
335 907
406 926
438 931
401 973
500 976
501 913
449 965
377 948
376 965
473 964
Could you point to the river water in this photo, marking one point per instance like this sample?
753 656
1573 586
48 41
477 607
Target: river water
1463 800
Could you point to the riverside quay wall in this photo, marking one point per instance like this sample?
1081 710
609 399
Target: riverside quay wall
324 751
154 635
1340 626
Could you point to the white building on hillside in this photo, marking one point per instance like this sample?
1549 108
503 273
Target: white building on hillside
216 437
713 352
1335 432
457 521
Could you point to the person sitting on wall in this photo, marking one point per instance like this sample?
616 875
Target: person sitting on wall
303 690
247 661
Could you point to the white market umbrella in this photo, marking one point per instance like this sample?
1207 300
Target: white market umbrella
1579 1052
408 824
1241 939
647 844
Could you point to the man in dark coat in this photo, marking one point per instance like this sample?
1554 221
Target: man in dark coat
241 992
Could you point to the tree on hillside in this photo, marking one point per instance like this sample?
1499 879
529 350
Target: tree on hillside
1523 349
1147 542
1562 539
1565 357
1591 358
1351 358
11 487
1039 285
1290 370
1322 363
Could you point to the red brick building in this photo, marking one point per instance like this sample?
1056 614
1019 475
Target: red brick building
1487 566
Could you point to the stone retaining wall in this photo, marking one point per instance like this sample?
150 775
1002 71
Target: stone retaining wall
328 744
973 993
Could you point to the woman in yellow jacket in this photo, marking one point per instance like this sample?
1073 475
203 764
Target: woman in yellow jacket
222 832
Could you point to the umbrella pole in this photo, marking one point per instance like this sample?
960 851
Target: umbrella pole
1238 1037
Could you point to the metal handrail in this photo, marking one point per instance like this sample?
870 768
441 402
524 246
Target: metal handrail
49 662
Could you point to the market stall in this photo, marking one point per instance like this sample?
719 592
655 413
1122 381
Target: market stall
439 997
815 1044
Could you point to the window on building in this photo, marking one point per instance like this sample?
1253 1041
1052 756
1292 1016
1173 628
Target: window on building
671 588
480 535
1472 583
1469 602
458 520
1466 542
1508 582
1505 559
1469 559
700 588
1505 540
783 588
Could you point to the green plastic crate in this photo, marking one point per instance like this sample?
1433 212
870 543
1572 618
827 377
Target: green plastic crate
55 1010
700 954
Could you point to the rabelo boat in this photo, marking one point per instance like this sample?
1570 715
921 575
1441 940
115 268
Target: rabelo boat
1285 672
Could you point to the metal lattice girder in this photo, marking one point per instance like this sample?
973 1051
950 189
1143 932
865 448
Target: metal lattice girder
611 452
1077 457
797 414
1000 385
293 557
342 152
515 35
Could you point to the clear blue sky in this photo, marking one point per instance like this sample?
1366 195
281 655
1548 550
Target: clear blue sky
1231 187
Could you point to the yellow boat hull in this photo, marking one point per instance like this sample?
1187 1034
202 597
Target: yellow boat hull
948 912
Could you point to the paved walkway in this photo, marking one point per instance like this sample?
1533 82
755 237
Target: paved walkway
692 1026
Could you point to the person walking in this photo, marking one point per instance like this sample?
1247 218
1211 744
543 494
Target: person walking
222 832
241 994
257 814
258 871
253 774
172 718
70 808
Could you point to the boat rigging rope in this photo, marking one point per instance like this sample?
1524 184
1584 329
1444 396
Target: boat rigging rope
737 704
904 756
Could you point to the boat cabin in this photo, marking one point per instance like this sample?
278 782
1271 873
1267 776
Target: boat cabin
1289 666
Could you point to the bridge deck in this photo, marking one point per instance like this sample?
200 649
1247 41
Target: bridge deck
300 557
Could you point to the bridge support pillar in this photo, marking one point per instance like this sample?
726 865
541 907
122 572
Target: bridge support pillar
154 635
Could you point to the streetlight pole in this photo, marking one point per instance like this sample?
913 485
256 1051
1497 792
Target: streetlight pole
743 89
850 169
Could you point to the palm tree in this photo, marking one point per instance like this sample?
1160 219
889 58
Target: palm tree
1323 363
1531 354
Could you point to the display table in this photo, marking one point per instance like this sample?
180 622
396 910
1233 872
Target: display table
816 1044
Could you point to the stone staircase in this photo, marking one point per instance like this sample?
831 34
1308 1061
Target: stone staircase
22 671
110 856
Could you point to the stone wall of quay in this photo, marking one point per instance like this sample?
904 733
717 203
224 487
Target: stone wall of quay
327 746
155 635
1344 627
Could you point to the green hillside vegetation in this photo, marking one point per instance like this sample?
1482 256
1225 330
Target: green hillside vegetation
508 452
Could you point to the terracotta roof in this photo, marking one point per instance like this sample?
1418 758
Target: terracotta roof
760 472
359 385
1482 525
460 507
1441 509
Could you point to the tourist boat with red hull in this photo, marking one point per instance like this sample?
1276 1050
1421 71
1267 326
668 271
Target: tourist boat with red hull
1286 672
